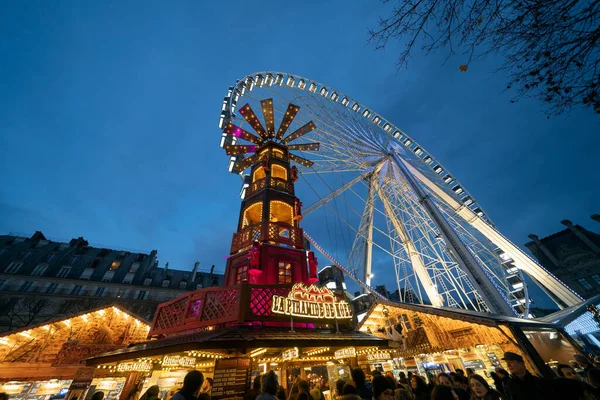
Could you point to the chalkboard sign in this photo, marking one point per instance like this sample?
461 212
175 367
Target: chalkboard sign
230 378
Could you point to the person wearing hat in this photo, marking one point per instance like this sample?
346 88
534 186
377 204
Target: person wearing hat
522 384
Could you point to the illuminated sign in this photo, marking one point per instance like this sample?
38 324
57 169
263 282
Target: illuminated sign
311 302
290 354
382 355
345 353
178 361
138 366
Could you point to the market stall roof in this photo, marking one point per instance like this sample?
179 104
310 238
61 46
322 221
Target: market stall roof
239 338
459 314
74 315
568 315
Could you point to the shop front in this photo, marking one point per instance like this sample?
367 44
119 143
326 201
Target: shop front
44 362
433 340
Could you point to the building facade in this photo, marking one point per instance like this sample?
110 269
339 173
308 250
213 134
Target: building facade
572 255
41 279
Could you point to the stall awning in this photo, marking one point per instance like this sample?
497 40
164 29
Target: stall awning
240 339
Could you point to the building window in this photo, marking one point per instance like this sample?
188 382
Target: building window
85 275
25 255
39 270
147 281
141 295
285 272
100 291
26 286
241 273
64 271
49 258
128 278
73 260
52 287
120 293
13 267
108 275
252 214
166 283
2 251
281 212
76 290
584 284
182 285
277 171
115 264
2 282
94 263
596 279
134 267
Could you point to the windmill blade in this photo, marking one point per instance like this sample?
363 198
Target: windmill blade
236 131
267 109
252 119
245 163
289 116
300 132
305 146
237 149
301 160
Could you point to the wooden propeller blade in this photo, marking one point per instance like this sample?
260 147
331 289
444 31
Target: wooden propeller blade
305 146
267 109
299 132
237 149
289 116
236 131
245 163
252 119
301 160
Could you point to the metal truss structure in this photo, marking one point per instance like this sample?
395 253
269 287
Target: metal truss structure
402 212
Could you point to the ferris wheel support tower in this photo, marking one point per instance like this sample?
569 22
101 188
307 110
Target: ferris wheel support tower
442 245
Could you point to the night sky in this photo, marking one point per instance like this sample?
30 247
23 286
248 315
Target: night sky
109 110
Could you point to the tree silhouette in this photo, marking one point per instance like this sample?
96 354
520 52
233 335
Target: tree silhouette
550 47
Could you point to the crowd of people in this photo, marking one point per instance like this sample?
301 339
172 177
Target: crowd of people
577 381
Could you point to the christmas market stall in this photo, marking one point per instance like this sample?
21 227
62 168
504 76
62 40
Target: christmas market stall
440 339
45 361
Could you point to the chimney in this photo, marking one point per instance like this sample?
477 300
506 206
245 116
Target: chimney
194 271
581 236
595 217
544 249
212 268
166 268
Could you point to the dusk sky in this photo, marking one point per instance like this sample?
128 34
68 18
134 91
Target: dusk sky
109 110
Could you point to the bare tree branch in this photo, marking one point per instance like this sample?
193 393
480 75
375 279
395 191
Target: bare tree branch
551 48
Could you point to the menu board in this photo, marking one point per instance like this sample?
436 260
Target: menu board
474 364
230 378
494 360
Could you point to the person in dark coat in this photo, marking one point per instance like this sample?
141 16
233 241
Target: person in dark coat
504 378
253 393
358 376
419 388
481 390
522 384
191 384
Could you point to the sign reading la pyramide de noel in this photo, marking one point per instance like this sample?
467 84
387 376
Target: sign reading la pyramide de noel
311 302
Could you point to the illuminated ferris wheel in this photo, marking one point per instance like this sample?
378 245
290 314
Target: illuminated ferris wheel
376 200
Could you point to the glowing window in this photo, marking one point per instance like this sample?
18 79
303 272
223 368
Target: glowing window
278 153
285 272
115 265
259 173
241 273
252 215
277 171
281 212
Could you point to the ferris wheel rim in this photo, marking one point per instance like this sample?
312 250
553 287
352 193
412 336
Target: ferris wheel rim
391 131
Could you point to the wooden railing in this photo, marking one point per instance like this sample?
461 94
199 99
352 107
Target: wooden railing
267 231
